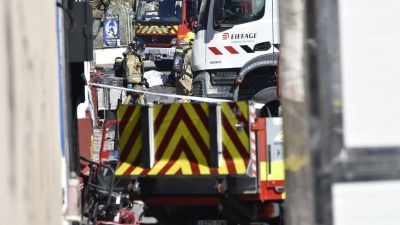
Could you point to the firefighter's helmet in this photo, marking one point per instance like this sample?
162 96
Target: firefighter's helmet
138 45
189 38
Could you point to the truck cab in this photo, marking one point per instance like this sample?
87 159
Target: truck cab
162 24
236 50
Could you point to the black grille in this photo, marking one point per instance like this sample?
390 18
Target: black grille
161 39
198 90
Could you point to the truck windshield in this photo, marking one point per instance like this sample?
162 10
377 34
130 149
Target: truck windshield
243 11
167 11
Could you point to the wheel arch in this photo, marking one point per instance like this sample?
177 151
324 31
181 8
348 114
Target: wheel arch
267 62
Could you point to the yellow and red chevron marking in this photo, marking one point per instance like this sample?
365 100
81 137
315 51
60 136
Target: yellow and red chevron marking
130 135
235 144
182 141
157 30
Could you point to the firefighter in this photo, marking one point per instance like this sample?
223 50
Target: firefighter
184 80
134 68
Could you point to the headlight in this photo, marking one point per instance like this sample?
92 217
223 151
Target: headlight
173 41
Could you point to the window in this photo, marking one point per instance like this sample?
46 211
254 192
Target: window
241 11
160 11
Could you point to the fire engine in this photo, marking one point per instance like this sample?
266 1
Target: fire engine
199 163
162 24
235 51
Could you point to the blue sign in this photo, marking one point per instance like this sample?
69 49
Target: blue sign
111 30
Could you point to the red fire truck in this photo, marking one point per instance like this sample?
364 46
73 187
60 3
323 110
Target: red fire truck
198 163
162 24
203 163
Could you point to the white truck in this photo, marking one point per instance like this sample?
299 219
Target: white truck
235 52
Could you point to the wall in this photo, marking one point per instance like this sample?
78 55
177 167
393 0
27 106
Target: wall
30 186
108 55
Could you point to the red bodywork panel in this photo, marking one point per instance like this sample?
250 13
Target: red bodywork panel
103 153
124 216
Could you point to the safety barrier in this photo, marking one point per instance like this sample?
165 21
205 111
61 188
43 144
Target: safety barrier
199 99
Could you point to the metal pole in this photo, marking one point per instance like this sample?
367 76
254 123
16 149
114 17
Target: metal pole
299 204
127 30
128 27
311 107
325 100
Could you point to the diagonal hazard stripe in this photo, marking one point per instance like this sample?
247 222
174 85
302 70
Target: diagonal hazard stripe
182 142
169 131
160 111
244 108
164 136
181 147
203 115
201 139
240 139
233 152
127 149
215 50
128 164
142 29
200 156
183 123
174 149
129 132
165 154
233 143
124 115
138 170
174 29
163 133
247 48
197 123
231 50
198 162
182 166
230 163
135 167
243 136
159 30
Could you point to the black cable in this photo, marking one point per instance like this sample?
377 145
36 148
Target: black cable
71 19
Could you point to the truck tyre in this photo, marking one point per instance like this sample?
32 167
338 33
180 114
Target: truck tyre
165 65
269 97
